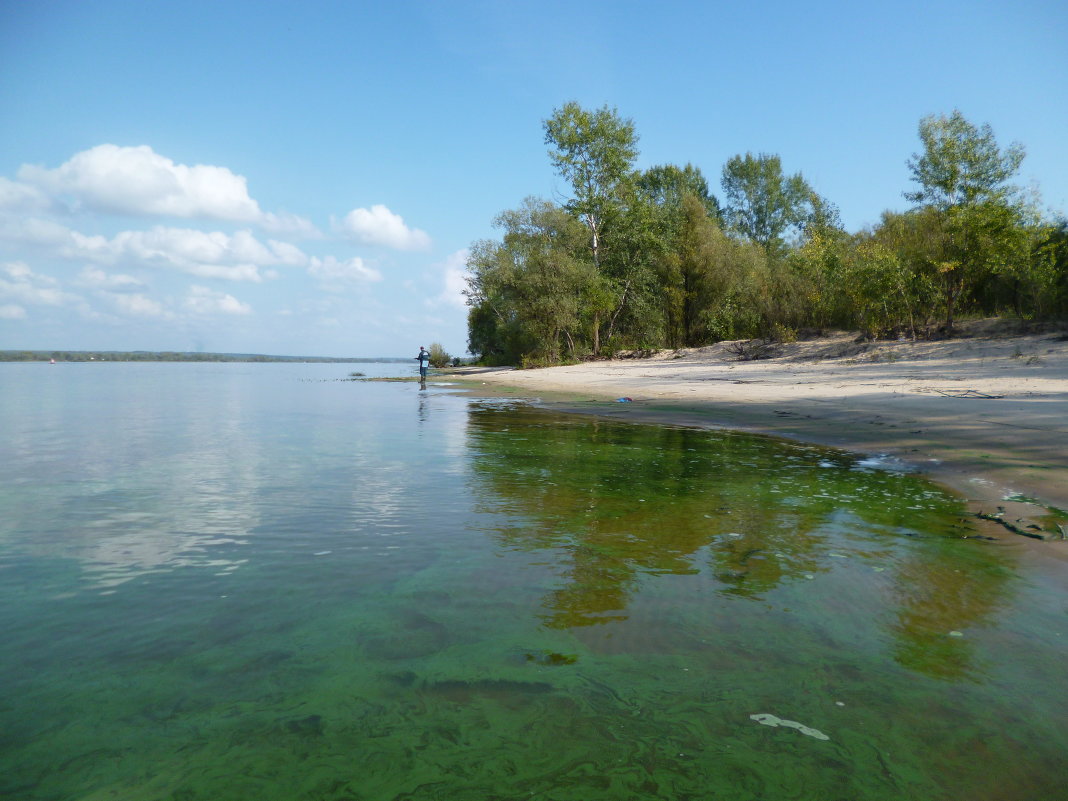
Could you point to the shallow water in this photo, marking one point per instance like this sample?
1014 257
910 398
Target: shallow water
259 581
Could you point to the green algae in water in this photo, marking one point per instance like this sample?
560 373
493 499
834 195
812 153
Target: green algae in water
572 609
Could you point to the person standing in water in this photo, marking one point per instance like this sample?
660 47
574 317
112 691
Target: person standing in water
424 362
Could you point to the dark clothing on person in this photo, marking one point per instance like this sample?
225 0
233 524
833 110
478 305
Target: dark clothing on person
424 361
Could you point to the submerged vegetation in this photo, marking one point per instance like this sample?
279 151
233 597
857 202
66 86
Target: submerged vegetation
638 259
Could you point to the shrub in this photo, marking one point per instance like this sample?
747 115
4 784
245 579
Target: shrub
438 356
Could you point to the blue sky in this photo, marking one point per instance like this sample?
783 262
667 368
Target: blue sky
304 179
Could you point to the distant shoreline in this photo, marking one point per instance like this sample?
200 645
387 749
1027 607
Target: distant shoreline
986 416
179 356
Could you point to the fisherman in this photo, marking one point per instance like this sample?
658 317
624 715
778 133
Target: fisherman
424 362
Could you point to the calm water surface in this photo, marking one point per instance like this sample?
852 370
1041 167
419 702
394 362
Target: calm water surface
228 581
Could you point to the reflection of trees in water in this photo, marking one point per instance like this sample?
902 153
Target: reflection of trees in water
942 592
621 502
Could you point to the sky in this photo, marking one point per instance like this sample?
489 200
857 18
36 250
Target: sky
306 178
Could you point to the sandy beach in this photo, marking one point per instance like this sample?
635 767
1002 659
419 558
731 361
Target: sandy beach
986 415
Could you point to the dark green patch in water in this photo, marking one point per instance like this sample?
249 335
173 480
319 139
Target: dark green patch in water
507 604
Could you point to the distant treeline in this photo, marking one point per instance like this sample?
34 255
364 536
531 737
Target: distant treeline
652 259
167 356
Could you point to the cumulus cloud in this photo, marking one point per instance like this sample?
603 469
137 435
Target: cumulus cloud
213 254
285 224
207 254
453 273
136 180
380 226
22 197
25 286
33 231
138 305
205 301
98 279
333 273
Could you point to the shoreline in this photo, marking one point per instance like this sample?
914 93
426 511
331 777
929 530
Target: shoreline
985 416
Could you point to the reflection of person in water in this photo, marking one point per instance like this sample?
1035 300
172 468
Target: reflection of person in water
424 362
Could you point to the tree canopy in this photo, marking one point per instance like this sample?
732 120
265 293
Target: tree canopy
763 204
649 258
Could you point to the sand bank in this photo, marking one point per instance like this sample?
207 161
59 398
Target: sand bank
987 416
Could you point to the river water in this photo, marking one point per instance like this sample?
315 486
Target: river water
234 581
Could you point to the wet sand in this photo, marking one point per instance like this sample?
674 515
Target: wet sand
984 415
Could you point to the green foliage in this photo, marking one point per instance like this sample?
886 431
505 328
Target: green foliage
438 356
594 151
649 259
527 290
963 179
763 204
666 185
961 164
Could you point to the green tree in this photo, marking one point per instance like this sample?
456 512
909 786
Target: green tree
917 238
689 273
763 204
1051 254
438 356
666 184
964 180
595 152
527 291
961 164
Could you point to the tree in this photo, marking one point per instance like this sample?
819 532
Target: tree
527 291
666 184
438 357
595 152
689 272
763 204
963 179
961 164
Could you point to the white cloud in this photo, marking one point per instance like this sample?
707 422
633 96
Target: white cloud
289 225
98 279
19 270
33 231
138 305
137 180
207 254
211 254
202 300
333 273
10 311
454 280
380 226
22 197
25 286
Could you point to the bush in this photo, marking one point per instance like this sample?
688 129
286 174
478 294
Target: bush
438 356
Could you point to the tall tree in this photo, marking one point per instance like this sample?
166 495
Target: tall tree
665 185
961 164
762 203
964 179
527 290
595 152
